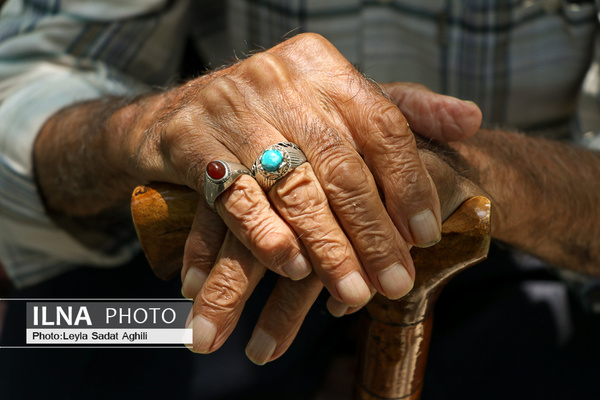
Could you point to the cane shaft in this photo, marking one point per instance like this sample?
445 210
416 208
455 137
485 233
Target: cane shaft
395 335
393 359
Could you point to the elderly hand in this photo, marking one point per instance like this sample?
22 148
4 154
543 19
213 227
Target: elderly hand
355 140
236 273
220 299
90 156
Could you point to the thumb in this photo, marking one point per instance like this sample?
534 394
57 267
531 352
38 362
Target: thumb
433 115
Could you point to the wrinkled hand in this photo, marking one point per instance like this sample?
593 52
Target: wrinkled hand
231 281
222 297
432 115
355 141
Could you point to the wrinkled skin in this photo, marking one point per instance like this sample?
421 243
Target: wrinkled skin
326 217
325 221
291 300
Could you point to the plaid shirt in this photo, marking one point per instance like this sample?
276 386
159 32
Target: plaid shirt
527 63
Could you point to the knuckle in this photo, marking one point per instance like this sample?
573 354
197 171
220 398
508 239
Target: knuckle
410 173
335 257
267 69
299 195
376 245
348 178
389 118
203 246
414 182
310 48
274 244
390 134
311 37
244 200
260 225
282 310
225 293
222 93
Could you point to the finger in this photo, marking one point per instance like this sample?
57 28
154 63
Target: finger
219 304
201 249
247 212
282 317
390 151
303 204
338 309
350 189
244 207
433 115
381 134
249 217
446 170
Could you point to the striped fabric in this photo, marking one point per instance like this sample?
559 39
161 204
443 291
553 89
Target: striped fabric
523 61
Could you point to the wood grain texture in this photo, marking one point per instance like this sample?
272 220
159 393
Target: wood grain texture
163 215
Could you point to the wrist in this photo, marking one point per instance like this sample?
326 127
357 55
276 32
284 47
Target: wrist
139 127
446 170
491 165
127 130
83 157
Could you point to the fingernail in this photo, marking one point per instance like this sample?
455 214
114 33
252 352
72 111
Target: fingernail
261 347
353 290
336 308
425 229
188 339
188 321
298 268
395 281
192 283
204 334
470 102
188 325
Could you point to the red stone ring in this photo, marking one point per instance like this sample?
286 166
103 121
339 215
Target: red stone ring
218 176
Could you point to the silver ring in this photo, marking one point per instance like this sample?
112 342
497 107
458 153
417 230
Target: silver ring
275 162
218 176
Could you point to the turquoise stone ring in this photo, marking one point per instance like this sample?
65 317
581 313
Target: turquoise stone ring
275 162
271 160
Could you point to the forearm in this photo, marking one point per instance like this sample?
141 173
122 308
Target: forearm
546 195
83 156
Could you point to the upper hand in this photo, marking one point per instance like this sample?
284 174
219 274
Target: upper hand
355 140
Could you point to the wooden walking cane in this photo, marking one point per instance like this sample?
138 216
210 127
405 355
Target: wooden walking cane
395 334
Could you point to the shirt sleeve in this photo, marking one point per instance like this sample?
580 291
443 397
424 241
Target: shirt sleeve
587 128
54 54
